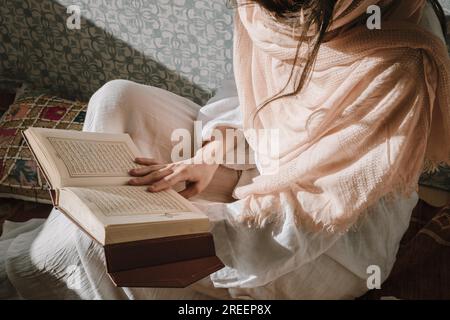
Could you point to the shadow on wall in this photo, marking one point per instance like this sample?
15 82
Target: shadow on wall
37 47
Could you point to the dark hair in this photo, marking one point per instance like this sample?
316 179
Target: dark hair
321 14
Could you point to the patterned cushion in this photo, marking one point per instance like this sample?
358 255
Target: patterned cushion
439 178
19 175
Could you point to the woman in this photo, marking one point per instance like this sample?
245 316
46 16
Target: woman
357 112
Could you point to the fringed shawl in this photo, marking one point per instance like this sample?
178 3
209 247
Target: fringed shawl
375 110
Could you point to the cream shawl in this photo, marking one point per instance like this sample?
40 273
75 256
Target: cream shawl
375 110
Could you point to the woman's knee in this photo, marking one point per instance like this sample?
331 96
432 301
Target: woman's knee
114 93
111 102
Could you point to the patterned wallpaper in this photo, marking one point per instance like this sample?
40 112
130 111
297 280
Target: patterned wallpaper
184 46
446 5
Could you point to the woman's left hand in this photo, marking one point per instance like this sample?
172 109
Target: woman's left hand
164 176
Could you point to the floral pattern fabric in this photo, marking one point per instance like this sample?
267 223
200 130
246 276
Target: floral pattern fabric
19 175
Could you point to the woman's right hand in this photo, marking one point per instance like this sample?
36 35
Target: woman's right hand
161 177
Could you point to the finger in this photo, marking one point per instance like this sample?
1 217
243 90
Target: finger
150 178
192 190
167 182
138 172
146 161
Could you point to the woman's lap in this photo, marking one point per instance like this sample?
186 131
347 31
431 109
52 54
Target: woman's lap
58 260
149 114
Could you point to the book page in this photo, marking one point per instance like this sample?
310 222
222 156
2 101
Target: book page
94 158
74 158
130 201
130 213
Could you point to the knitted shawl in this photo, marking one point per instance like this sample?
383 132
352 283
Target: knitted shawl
374 111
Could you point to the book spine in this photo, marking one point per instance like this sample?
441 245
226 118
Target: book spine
146 253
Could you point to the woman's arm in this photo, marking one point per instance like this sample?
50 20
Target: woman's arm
221 115
197 172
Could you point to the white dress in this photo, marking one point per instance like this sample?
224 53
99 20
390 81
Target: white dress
54 259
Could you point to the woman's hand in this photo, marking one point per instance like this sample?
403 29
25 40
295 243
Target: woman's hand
197 172
164 176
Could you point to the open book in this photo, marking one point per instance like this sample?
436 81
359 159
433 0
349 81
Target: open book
89 173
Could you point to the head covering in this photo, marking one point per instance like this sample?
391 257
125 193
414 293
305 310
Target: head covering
375 110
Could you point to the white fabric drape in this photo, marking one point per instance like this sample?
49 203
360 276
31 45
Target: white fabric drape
280 261
54 259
